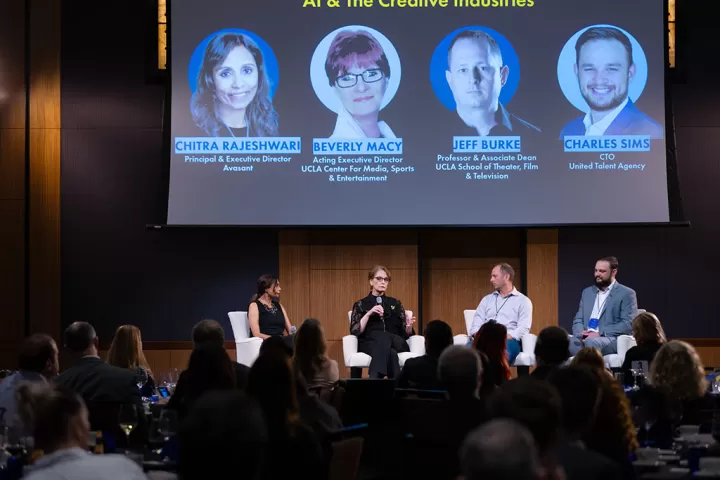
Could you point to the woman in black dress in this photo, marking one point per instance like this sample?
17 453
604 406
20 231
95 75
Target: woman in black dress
381 326
266 316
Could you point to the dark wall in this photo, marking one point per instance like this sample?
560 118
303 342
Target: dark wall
114 270
672 270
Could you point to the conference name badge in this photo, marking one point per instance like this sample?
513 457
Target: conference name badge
593 324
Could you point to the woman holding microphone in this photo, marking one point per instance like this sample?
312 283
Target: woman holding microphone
381 326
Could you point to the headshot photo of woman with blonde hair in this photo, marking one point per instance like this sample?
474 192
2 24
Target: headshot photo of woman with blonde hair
233 93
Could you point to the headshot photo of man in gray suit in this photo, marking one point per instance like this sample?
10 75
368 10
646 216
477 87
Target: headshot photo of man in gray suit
606 311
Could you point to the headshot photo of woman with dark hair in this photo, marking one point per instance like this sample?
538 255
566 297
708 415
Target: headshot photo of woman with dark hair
232 98
358 72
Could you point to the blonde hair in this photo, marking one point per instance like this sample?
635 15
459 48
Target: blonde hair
126 349
677 369
647 329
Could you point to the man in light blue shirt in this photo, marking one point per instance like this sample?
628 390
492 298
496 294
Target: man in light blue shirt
38 362
506 306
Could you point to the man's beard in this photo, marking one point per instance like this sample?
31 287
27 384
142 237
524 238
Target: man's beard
614 102
602 283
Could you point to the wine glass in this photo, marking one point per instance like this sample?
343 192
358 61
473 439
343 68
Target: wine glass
128 419
168 423
172 379
141 377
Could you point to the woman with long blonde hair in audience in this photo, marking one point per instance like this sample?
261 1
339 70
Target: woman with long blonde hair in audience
311 359
126 352
650 336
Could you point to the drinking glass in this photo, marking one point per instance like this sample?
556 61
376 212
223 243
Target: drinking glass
128 419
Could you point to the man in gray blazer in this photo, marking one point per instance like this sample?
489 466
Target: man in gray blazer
606 311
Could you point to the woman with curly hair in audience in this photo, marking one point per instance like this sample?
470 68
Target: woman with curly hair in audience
679 374
491 340
613 433
126 352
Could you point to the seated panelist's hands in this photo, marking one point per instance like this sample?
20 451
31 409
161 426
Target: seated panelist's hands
591 334
377 309
409 321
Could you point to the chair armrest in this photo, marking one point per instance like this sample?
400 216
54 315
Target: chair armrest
350 347
624 343
247 350
417 344
461 339
528 343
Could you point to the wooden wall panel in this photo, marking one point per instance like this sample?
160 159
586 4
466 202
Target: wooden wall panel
44 181
329 269
12 179
456 284
542 277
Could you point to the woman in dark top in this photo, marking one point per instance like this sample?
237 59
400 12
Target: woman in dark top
650 337
491 340
266 316
381 326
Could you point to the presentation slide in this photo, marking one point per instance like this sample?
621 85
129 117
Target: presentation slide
417 112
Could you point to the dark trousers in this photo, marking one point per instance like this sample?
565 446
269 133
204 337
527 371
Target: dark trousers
383 347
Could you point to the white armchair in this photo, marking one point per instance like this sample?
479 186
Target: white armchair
355 359
526 358
247 347
615 360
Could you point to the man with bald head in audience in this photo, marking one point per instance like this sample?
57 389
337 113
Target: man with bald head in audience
92 378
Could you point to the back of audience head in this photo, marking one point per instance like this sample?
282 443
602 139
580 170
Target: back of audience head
39 354
590 357
501 449
310 348
209 368
277 345
647 330
126 348
81 339
552 347
677 369
438 336
491 339
57 416
208 331
460 371
224 432
536 405
580 392
272 384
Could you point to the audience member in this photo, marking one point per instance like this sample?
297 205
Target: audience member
224 433
536 405
592 358
206 332
501 449
422 372
311 359
209 369
580 395
277 345
61 430
94 380
294 450
551 351
491 339
613 432
38 362
126 352
678 372
649 335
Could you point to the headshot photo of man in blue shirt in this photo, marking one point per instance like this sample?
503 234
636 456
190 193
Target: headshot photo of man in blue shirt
605 68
